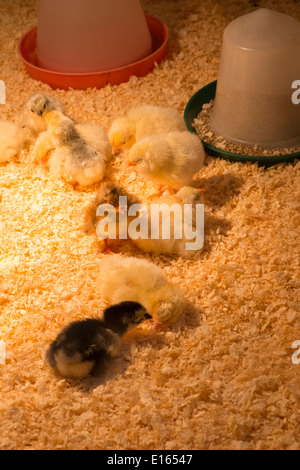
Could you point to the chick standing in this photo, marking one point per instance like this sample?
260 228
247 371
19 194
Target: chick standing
133 279
73 159
168 159
12 141
86 347
181 222
36 107
109 193
141 122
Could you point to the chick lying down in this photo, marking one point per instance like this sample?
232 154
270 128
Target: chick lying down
142 281
94 136
77 167
176 227
143 121
144 225
87 347
73 159
108 193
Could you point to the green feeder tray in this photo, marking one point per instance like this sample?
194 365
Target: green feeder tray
194 107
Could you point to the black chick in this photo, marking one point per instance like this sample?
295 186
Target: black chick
86 347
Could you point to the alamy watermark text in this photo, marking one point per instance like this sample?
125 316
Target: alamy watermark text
158 221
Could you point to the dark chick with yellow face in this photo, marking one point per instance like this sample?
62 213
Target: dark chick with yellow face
86 347
36 107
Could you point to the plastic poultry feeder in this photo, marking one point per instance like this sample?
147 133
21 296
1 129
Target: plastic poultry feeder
259 63
89 43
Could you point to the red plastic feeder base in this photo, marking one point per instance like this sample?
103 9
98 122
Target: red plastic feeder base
81 81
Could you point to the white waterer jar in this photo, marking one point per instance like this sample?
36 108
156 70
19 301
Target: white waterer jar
81 36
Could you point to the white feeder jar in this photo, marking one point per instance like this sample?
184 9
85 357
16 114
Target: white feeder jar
82 36
260 60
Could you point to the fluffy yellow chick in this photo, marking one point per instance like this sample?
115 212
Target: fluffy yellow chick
108 193
12 141
43 147
190 238
141 122
168 159
140 281
94 136
73 159
36 107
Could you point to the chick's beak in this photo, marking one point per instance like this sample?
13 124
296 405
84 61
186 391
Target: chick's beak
157 326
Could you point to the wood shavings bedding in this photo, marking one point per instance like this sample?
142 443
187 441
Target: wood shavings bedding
222 378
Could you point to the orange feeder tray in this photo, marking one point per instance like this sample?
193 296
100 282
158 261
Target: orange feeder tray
81 81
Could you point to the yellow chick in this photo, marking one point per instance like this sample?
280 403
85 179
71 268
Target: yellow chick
12 141
140 280
73 159
43 147
168 159
109 193
186 195
178 232
94 136
141 122
36 107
